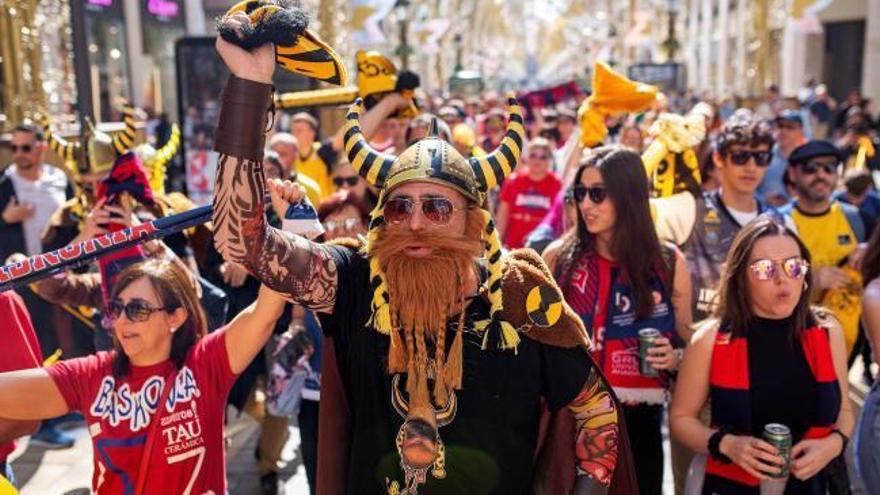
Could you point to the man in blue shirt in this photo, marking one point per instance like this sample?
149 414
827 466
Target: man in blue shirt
789 135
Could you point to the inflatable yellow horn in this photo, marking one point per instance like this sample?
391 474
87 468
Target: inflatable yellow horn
613 94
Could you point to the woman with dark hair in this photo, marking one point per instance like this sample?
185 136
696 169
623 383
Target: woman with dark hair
149 437
767 358
867 445
619 278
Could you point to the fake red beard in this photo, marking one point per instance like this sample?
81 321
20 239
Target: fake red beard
423 290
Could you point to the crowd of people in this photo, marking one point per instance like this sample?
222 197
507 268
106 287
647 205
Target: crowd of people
487 306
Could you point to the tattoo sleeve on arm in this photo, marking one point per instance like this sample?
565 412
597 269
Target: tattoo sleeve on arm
286 263
597 432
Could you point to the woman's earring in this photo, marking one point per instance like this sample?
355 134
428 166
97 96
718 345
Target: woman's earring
173 329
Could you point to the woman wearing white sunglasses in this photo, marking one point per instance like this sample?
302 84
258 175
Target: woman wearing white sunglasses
768 358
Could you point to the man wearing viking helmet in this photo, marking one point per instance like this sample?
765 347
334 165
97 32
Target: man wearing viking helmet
445 350
85 216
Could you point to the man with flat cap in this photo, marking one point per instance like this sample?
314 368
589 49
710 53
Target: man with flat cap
832 231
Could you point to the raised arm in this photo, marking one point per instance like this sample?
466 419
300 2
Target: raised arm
250 330
286 263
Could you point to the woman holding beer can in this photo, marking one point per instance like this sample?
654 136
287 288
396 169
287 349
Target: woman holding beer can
775 370
630 291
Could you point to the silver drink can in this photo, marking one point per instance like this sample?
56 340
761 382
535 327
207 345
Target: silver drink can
647 336
779 436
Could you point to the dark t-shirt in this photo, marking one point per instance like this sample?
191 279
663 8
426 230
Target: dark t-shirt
490 445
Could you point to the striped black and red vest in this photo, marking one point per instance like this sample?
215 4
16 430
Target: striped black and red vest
729 394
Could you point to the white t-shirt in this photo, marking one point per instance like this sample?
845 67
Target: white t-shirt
742 217
47 194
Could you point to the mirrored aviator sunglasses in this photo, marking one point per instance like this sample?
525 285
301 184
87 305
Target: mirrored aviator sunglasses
597 194
436 210
766 269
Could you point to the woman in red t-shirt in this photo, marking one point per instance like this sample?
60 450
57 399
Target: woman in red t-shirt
149 438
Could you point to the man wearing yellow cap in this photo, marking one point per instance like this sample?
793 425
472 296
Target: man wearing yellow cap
446 349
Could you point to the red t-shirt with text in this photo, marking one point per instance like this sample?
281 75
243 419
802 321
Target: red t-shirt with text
529 202
21 349
188 454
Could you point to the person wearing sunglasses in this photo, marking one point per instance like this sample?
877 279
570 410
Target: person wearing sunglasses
425 346
620 279
344 215
788 134
526 197
345 178
30 192
155 405
767 357
831 229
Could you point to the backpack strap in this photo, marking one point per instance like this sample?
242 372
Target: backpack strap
855 220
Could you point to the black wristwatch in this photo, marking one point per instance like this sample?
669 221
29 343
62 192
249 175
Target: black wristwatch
843 438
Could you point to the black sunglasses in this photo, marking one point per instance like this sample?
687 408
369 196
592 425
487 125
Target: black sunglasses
351 181
812 167
136 310
436 210
597 194
762 158
24 148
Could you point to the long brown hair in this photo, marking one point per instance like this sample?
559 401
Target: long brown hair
735 307
634 241
175 290
871 263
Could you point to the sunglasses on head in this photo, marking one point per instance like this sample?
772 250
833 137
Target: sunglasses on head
350 181
762 158
24 148
767 269
812 167
597 194
135 310
437 210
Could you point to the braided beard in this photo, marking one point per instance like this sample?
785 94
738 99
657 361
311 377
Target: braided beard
423 292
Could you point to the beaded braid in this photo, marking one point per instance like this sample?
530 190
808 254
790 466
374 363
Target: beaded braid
440 392
381 317
496 329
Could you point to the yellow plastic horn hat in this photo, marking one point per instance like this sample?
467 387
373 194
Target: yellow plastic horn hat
472 177
613 94
100 148
675 135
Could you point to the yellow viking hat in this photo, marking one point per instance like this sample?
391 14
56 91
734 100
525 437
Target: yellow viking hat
101 149
472 177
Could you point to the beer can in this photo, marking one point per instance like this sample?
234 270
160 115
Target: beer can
779 436
647 336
